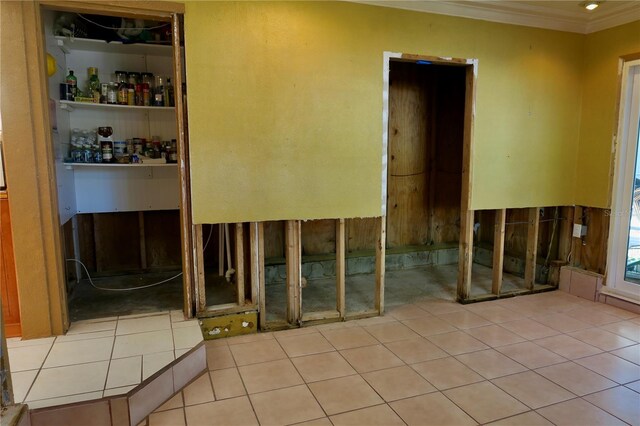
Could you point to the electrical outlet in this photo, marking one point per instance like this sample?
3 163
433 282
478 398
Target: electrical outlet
577 230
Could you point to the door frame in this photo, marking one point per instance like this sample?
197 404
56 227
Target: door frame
620 186
44 156
465 255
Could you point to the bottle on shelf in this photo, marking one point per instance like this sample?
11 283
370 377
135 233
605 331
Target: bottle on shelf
158 91
93 85
169 99
123 87
72 81
146 94
112 93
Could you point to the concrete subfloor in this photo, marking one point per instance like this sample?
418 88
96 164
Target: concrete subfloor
87 302
401 287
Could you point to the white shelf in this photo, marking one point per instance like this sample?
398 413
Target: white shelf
67 45
71 105
70 166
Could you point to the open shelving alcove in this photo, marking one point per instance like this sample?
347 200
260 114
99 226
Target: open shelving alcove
123 226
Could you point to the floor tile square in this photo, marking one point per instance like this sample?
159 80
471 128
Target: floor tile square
561 322
152 363
85 336
592 316
464 319
323 421
433 406
199 391
306 344
143 343
82 327
286 406
578 412
398 383
124 372
78 352
22 381
490 363
17 342
370 358
412 351
258 351
445 373
24 358
485 402
269 376
329 365
620 402
69 380
227 383
627 329
433 325
533 389
634 386
602 339
530 418
173 417
612 367
495 314
529 329
630 353
494 335
457 342
175 402
379 415
349 337
219 357
62 400
228 412
531 355
249 338
404 312
392 331
141 325
437 307
567 346
575 378
344 394
187 337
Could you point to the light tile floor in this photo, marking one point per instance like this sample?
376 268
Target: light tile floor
531 360
97 358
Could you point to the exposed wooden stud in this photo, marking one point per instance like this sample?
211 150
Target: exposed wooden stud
498 250
256 243
225 308
532 248
467 215
221 238
201 301
258 290
187 229
143 244
292 232
319 316
239 275
380 264
465 256
565 233
576 243
340 267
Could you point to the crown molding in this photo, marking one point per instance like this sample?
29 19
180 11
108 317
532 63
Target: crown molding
542 15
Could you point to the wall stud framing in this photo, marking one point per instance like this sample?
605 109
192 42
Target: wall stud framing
532 248
201 297
293 252
498 250
340 267
380 264
239 275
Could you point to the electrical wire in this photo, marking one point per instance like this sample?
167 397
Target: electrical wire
139 287
121 28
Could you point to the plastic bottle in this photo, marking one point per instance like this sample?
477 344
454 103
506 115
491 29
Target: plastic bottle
72 80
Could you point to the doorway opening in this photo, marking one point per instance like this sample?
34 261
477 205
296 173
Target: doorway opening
117 114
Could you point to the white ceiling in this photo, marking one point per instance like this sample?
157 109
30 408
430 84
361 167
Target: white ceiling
559 15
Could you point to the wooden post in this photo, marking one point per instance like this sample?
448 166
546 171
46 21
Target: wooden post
201 297
380 263
498 250
258 291
239 246
340 267
256 242
532 248
465 256
292 237
221 249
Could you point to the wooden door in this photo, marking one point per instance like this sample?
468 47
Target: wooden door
8 283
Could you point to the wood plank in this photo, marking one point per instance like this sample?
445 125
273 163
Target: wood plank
380 265
274 239
162 239
143 245
200 293
516 232
318 237
187 229
117 241
407 212
292 236
498 250
258 291
257 283
340 267
239 249
532 248
319 316
565 231
465 256
593 256
361 234
576 243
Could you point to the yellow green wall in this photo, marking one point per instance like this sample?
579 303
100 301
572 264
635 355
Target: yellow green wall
285 107
599 119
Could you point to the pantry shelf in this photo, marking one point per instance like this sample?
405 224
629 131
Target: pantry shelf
71 105
70 166
68 44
